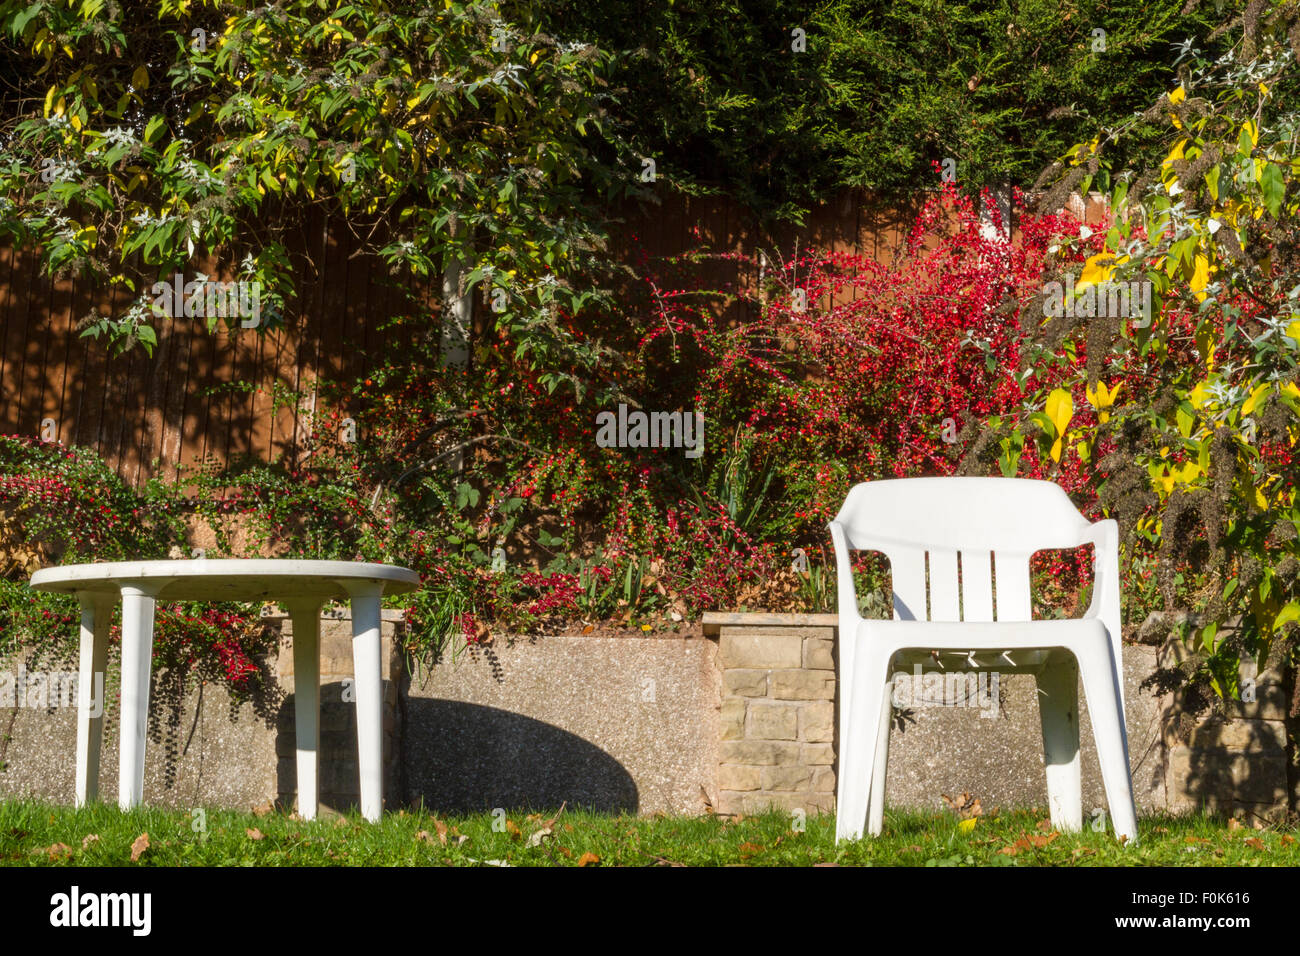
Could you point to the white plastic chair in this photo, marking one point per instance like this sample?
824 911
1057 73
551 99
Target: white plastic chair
992 526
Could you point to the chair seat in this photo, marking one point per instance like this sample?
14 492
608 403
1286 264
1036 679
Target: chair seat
1006 647
1004 660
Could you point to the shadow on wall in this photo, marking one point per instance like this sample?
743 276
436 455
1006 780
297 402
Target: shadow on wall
466 758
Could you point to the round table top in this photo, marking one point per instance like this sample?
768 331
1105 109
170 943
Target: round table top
226 579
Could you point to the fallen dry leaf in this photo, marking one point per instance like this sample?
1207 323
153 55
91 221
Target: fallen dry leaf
1287 839
424 836
1030 841
139 846
262 811
567 852
749 849
1234 824
1255 843
513 829
88 839
537 838
442 830
57 851
587 858
254 833
964 805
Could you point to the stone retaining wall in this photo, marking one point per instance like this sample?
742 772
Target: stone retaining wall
735 721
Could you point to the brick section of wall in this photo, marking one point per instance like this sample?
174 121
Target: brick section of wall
1238 765
778 717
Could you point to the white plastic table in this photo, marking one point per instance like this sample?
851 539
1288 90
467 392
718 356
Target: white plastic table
299 586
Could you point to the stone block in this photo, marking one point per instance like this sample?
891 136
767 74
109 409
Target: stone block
735 777
802 685
811 755
771 721
818 653
744 682
817 721
787 778
760 651
733 718
762 753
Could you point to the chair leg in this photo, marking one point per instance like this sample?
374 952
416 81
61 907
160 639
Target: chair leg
858 746
1101 684
1058 709
880 765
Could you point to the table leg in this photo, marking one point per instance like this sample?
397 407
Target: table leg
137 665
306 701
96 613
366 598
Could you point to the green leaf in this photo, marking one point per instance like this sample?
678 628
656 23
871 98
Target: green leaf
1273 188
153 128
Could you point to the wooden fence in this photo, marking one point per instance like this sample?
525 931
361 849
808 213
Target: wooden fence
209 396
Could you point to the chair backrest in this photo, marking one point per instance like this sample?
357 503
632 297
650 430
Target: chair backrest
970 537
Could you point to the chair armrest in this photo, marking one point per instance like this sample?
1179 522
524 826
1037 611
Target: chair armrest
846 595
1104 537
1105 605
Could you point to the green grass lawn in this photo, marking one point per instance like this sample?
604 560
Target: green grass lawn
35 834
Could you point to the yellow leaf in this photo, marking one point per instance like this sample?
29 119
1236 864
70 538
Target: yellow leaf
1098 268
1293 331
1060 409
1102 399
1200 277
1174 154
1199 396
140 78
1252 131
1178 95
965 826
1253 402
1206 343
